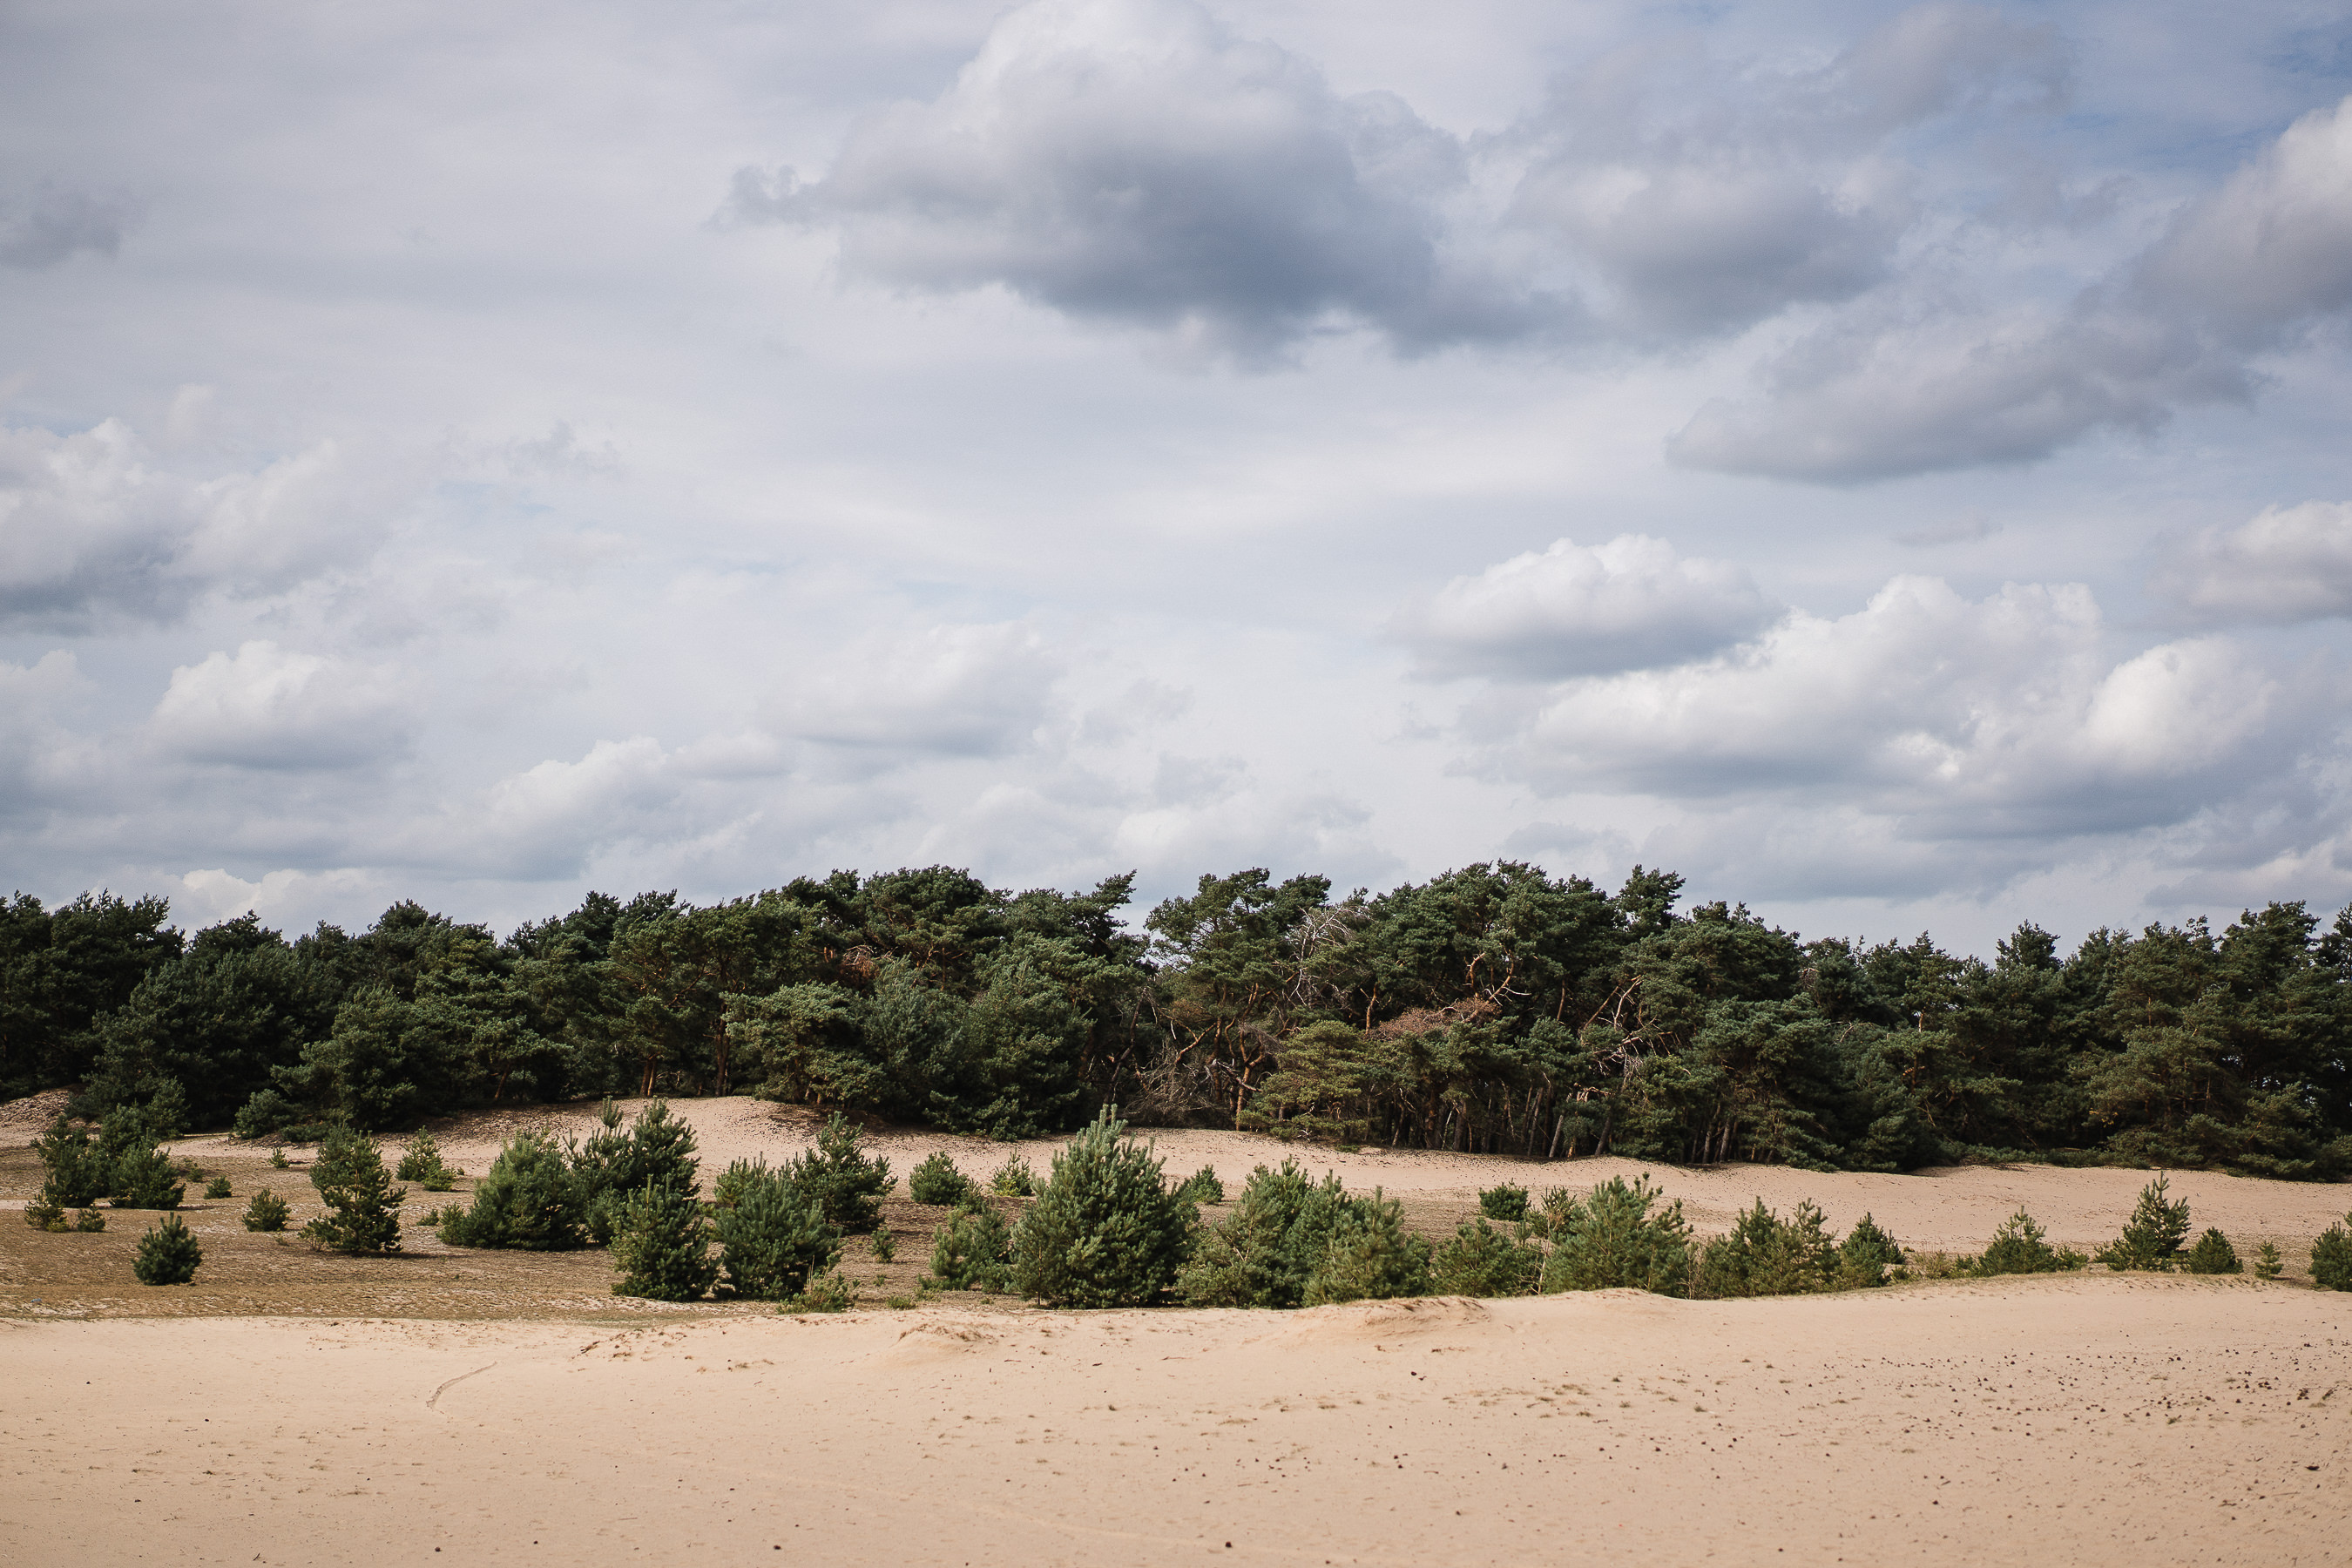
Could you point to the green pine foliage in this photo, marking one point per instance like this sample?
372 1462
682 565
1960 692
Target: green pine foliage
1507 1202
90 1220
2331 1258
1480 1260
1367 1256
1865 1256
1013 1179
614 1165
830 1291
938 1182
1616 1237
363 1205
2267 1261
1105 1231
2019 1246
144 1179
1202 1186
78 1172
661 1246
168 1254
2214 1254
266 1211
973 1250
278 1158
528 1201
265 1113
1290 1241
773 1236
42 1214
421 1163
838 1176
1764 1255
218 1188
2152 1238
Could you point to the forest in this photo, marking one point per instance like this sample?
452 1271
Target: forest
1495 1008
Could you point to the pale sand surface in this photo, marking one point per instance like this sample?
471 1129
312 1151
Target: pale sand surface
2090 1419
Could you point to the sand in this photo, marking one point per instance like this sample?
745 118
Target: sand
448 1406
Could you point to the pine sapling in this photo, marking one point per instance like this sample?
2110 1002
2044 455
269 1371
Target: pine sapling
90 1220
168 1254
363 1205
938 1182
2267 1261
2151 1239
266 1211
2214 1255
662 1247
218 1188
1506 1202
2331 1258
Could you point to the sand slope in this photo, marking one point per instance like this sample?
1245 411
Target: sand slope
2084 1420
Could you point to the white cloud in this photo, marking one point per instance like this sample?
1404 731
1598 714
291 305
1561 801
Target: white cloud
265 706
1577 610
947 690
2286 565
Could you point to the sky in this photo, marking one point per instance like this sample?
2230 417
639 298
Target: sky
1887 464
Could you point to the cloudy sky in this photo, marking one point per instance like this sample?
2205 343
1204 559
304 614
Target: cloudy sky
1889 464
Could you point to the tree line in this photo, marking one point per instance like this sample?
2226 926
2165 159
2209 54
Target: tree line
1495 1009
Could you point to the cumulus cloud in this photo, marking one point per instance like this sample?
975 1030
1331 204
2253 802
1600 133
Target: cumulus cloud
952 690
269 707
1576 610
55 222
94 523
1906 389
1968 719
2286 565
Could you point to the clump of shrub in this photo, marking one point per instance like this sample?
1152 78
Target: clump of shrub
1291 1241
974 1251
168 1254
218 1188
42 1214
661 1246
121 1162
839 1177
2331 1258
90 1220
265 1113
1616 1237
830 1291
2214 1254
772 1235
363 1205
278 1158
885 1249
1202 1186
614 1166
1105 1231
938 1182
1866 1255
421 1163
530 1200
1764 1255
266 1211
1013 1179
76 1170
2017 1247
1483 1262
2152 1238
1506 1202
2267 1261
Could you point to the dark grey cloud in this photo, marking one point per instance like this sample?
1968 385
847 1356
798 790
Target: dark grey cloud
53 222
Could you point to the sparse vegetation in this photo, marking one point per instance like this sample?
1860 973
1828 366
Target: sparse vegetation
613 1167
772 1234
168 1254
1202 1186
266 1211
218 1188
363 1205
938 1182
2267 1261
1480 1260
45 1214
2152 1238
840 1178
1291 1241
421 1163
1764 1255
885 1249
2017 1247
827 1292
1013 1179
90 1220
1105 1231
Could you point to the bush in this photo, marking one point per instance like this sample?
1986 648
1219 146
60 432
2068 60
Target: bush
1105 1231
886 1250
826 1292
41 1214
1507 1202
1293 1242
772 1234
614 1166
1013 1179
90 1220
1482 1261
2267 1261
363 1205
218 1188
266 1113
1763 1255
2214 1255
144 1180
938 1182
2331 1258
2017 1247
168 1254
1866 1254
78 1172
528 1201
421 1163
1202 1186
267 1211
1609 1239
2153 1236
839 1178
973 1250
278 1158
661 1246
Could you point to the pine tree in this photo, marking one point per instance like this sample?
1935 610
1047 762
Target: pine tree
529 1201
772 1236
1483 1262
2331 1258
1105 1231
1866 1254
77 1170
1610 1239
421 1163
363 1206
937 1180
266 1211
613 1167
840 1179
168 1254
2214 1254
2152 1238
973 1249
662 1247
2017 1247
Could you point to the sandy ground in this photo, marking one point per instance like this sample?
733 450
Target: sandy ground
2081 1420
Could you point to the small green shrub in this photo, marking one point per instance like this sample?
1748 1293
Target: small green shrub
613 1167
1611 1239
77 1170
2017 1247
2151 1239
218 1188
528 1201
144 1179
363 1205
1483 1262
1368 1255
2331 1258
266 1113
278 1158
2214 1255
1865 1256
973 1250
1202 1186
421 1163
938 1182
661 1246
1507 1202
90 1220
42 1214
266 1211
826 1292
1290 1241
1763 1255
168 1254
1105 1231
2267 1261
840 1179
886 1250
1013 1179
772 1234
